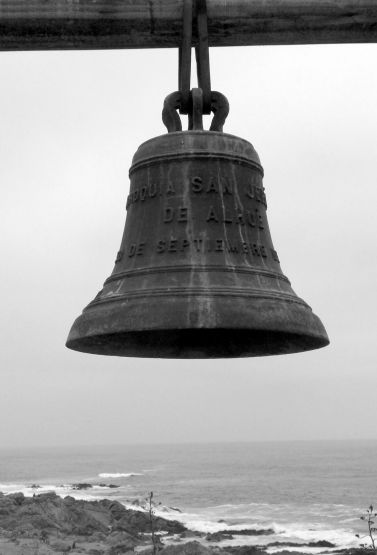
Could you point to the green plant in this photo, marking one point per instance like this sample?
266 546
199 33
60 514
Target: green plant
151 511
369 517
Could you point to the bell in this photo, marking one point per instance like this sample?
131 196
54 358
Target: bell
196 275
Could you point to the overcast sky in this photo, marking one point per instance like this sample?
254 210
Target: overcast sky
70 123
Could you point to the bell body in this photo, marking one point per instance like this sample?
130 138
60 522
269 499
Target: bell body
196 275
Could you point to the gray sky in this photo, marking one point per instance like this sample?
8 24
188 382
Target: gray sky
70 123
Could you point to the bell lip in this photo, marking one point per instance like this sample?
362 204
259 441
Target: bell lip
290 328
244 344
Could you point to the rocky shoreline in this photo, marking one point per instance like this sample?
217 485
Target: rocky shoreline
47 524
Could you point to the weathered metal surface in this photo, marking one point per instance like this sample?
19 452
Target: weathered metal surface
94 24
196 275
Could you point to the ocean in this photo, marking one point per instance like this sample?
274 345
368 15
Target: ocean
305 491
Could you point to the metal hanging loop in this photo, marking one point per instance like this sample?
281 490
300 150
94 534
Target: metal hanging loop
196 112
201 100
170 117
220 109
173 102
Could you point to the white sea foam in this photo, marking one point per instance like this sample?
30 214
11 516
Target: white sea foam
344 538
119 474
233 518
91 494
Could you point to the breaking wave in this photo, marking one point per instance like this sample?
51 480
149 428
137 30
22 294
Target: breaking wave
119 474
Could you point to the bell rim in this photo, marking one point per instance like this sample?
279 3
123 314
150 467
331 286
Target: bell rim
243 344
213 326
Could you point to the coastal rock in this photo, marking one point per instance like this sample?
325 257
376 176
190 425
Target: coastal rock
190 548
247 532
248 550
218 537
121 542
138 521
61 546
190 534
80 486
18 498
52 515
320 543
253 532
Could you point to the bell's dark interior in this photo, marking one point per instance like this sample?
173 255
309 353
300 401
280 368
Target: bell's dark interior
197 343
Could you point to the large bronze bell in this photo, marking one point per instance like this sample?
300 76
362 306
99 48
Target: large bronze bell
197 275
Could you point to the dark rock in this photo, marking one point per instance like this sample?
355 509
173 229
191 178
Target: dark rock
98 537
175 509
50 517
170 526
122 538
61 546
123 525
121 543
247 550
248 532
18 498
287 552
218 537
117 510
191 548
321 543
49 495
191 534
80 486
285 544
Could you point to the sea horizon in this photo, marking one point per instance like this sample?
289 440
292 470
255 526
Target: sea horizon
9 447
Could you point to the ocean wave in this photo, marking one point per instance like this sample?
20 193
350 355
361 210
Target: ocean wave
92 493
119 474
202 522
295 525
343 538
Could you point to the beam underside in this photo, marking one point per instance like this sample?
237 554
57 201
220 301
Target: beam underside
100 24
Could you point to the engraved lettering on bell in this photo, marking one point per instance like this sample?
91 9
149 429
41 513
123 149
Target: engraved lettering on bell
197 274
